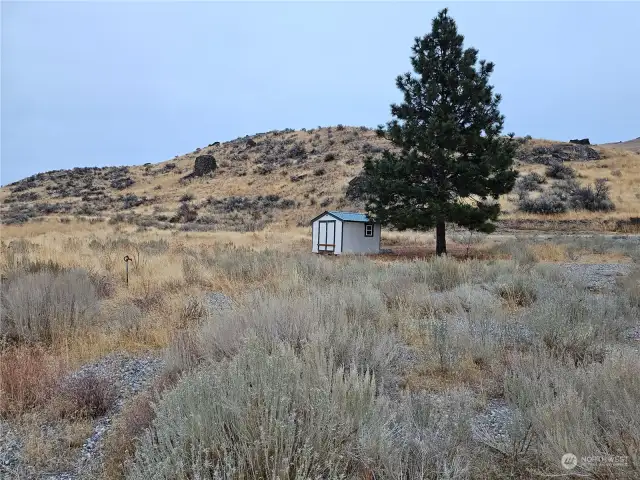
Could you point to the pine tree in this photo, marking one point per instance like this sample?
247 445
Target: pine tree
452 163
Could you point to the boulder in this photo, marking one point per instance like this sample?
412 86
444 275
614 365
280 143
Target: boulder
354 189
204 164
584 141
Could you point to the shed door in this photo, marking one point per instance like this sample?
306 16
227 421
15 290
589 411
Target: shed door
326 235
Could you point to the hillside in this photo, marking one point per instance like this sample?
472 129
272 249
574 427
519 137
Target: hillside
631 145
282 178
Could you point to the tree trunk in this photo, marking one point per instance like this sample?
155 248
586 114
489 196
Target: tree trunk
441 240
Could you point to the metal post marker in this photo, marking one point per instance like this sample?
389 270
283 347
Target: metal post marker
127 259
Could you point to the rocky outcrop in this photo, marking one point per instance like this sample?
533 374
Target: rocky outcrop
584 141
204 164
354 189
560 152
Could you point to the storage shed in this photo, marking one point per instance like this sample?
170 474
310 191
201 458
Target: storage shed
344 232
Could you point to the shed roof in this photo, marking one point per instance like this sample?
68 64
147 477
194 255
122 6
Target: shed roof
350 216
345 216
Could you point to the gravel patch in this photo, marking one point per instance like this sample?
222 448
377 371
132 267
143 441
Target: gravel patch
634 333
597 277
216 302
10 446
129 375
495 425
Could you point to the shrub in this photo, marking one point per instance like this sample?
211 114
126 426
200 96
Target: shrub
631 286
316 420
305 414
42 306
560 171
547 203
131 200
433 437
569 322
442 273
530 182
186 213
120 444
187 197
588 411
297 178
594 199
298 150
319 171
264 169
122 183
353 321
329 157
87 395
326 202
518 290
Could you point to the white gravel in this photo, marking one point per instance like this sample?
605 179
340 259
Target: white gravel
597 277
129 375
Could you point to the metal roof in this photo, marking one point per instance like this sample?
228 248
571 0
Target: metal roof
350 216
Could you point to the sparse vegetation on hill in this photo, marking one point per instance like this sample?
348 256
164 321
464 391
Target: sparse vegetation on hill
154 197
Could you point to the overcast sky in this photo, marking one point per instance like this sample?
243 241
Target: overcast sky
122 83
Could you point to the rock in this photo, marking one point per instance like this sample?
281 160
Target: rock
560 152
297 178
354 189
204 164
584 141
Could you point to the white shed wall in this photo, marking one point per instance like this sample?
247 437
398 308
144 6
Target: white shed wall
316 228
354 240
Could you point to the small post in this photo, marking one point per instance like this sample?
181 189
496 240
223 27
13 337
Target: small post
127 259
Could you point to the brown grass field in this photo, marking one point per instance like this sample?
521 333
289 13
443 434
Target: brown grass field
407 317
306 172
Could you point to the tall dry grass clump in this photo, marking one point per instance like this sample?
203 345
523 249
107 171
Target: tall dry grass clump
588 411
28 378
44 306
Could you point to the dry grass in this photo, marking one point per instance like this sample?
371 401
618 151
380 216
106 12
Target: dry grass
452 328
28 377
49 449
625 190
236 176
